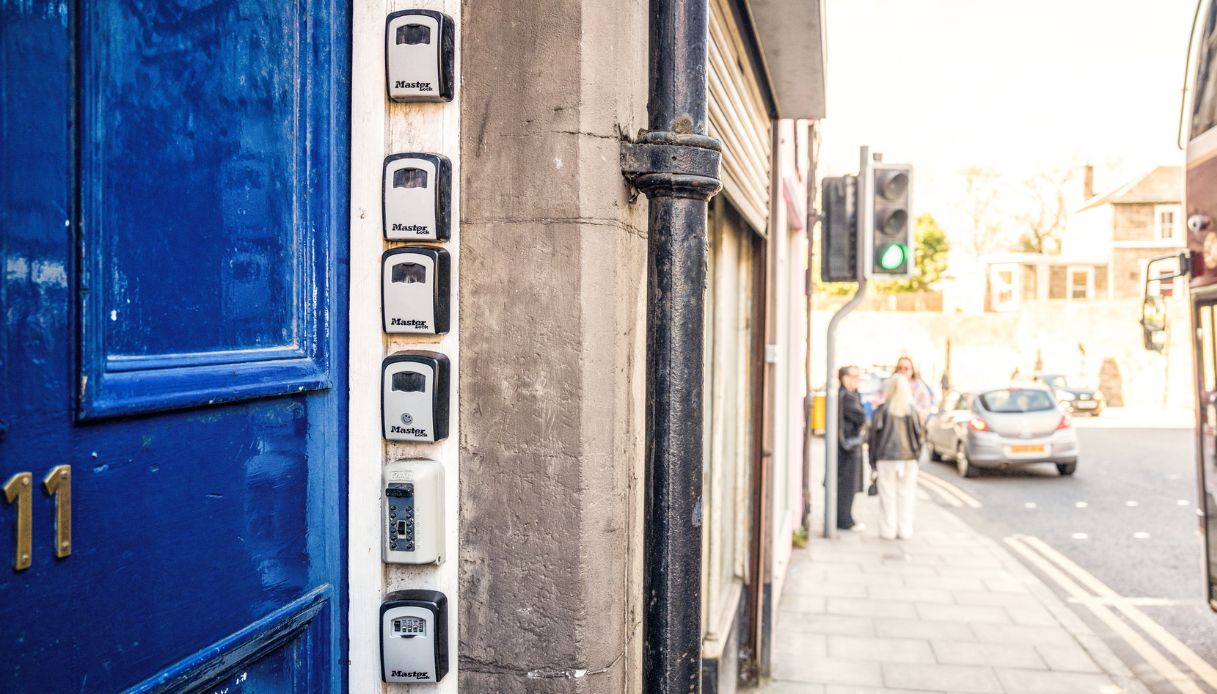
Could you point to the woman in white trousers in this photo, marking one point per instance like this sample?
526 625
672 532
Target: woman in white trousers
896 439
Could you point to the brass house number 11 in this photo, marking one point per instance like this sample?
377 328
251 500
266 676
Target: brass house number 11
19 490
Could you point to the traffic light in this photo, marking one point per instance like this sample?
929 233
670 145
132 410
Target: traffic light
891 244
839 229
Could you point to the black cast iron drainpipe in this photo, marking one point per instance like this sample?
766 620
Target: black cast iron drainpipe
675 164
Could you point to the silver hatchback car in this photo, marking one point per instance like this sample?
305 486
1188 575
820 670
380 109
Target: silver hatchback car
1001 427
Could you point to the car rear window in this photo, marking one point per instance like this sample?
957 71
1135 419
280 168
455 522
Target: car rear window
1056 381
1012 401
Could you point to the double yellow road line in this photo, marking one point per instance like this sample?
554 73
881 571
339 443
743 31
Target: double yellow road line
1082 587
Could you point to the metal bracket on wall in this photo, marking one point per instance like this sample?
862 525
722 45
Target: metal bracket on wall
686 164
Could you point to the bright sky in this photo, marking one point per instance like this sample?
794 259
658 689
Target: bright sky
1014 86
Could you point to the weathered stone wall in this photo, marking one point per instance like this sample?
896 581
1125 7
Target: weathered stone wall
552 296
1058 282
1072 337
1132 222
1126 268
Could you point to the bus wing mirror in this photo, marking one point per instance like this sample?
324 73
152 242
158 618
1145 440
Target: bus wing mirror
1160 276
1153 322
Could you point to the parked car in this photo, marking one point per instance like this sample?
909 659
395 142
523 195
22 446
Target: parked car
1003 427
1075 397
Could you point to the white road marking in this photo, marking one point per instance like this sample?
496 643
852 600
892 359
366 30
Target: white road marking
1141 535
1182 502
1029 504
1131 503
1151 655
1081 504
1138 602
1173 645
1080 536
941 494
946 488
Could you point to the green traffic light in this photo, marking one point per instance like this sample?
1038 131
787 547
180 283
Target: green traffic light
893 256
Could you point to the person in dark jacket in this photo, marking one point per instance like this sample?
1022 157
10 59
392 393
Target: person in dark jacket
849 446
896 439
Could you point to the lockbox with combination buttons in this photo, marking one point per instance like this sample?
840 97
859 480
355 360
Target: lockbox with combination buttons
414 636
414 396
420 47
414 290
416 197
413 513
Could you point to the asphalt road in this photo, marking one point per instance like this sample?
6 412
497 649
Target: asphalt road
1128 516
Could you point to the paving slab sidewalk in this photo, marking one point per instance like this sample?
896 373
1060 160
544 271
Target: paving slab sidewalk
949 610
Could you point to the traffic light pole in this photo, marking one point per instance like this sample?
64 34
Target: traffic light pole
832 415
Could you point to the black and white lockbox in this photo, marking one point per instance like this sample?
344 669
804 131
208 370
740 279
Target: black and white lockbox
415 290
420 47
416 197
412 516
414 636
414 396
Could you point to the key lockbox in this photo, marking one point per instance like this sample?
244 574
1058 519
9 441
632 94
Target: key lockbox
414 396
416 197
412 518
415 290
414 636
420 49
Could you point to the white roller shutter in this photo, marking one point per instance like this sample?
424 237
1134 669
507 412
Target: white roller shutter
738 118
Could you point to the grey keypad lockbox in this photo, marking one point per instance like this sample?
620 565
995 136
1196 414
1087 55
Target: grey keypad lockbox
414 396
412 518
420 47
414 636
416 197
415 293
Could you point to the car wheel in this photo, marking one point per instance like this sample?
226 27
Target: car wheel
1066 469
934 454
962 465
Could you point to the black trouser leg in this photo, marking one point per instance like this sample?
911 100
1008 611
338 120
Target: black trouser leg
847 486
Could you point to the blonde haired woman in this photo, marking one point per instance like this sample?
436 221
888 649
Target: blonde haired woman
896 439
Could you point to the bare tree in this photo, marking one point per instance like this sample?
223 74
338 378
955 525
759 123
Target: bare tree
982 188
1045 211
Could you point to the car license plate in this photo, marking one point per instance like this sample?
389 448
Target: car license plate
1085 404
1037 449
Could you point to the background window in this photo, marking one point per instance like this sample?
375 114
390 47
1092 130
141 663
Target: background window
1167 225
1004 285
1081 283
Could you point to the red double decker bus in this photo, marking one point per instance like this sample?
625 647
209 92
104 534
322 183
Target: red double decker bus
1197 270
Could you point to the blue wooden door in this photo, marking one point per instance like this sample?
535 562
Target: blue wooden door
172 363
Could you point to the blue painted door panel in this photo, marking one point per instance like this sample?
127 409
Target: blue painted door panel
172 236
